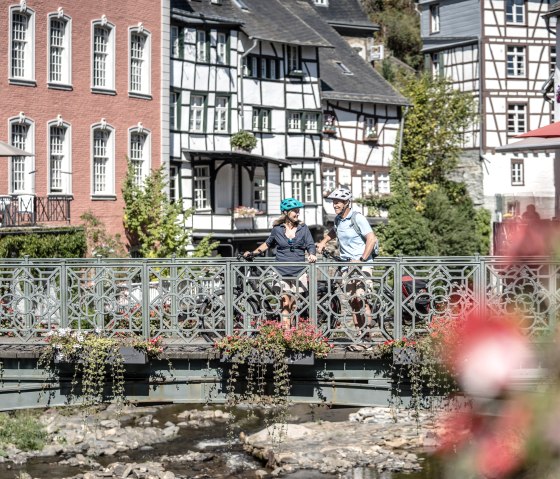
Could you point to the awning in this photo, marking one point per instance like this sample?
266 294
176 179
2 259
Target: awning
548 131
9 150
242 157
531 144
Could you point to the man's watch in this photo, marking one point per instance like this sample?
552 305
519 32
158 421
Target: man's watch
362 258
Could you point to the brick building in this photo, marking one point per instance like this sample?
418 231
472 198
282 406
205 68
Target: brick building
80 87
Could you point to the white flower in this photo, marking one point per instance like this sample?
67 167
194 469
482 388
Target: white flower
98 330
80 337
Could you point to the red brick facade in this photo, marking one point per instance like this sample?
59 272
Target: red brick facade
79 107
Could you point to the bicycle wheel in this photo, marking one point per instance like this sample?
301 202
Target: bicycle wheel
212 329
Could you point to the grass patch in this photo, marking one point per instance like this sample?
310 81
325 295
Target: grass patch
23 430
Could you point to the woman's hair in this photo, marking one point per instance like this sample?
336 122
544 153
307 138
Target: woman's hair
280 220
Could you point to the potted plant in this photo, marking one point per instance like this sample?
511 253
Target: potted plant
372 137
243 140
246 212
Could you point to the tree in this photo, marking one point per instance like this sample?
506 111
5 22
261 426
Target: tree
155 226
433 133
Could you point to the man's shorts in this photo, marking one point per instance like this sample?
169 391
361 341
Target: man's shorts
356 280
293 285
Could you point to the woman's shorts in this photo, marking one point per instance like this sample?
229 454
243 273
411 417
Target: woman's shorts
297 285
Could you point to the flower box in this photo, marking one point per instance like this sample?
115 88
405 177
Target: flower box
329 130
295 358
373 137
243 223
405 356
129 354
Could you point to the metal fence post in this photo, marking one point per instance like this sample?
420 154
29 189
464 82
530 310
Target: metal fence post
312 293
27 293
228 287
398 297
64 294
173 293
145 300
99 294
480 289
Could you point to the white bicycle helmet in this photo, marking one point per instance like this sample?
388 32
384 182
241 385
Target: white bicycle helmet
343 194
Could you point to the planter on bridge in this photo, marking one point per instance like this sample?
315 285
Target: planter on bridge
405 356
291 357
129 354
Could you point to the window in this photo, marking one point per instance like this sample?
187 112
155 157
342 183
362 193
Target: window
517 172
261 119
221 48
294 64
437 64
294 121
383 185
22 44
517 114
103 56
21 136
512 208
201 46
515 11
368 183
139 62
173 184
434 18
344 68
370 128
59 50
202 188
321 3
59 158
103 160
516 61
303 185
221 114
259 190
175 110
329 180
139 154
197 113
266 68
177 42
311 122
552 60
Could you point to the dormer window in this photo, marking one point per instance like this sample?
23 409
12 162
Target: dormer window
344 68
321 3
434 18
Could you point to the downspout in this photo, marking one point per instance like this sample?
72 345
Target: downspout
241 76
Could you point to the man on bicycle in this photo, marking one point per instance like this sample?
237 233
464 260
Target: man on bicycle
357 243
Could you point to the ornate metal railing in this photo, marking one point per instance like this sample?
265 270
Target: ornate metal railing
29 210
194 302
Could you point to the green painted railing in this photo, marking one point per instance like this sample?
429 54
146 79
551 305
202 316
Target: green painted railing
193 302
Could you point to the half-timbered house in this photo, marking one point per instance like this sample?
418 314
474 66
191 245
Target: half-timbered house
501 52
280 70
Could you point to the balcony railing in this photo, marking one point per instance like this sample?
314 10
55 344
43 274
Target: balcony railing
29 210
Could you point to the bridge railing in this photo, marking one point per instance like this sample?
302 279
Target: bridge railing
194 302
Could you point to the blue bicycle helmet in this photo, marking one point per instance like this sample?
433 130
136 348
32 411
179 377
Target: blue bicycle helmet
288 204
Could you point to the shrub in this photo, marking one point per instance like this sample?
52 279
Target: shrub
243 140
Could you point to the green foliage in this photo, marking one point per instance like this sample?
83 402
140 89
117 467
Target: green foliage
244 140
99 241
23 430
152 223
205 247
483 227
59 243
433 133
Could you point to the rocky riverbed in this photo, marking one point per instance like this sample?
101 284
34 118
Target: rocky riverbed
136 444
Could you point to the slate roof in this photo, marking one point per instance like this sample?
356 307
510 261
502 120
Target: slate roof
297 22
345 13
434 44
268 20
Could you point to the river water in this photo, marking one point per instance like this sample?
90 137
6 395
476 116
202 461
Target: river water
228 462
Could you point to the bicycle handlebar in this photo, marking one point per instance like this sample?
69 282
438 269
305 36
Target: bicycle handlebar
327 255
249 257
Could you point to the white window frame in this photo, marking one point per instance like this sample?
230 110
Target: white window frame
197 114
65 172
201 188
221 114
109 190
143 62
109 61
221 48
293 61
65 49
294 121
517 172
146 154
303 185
383 183
516 118
175 38
369 186
516 61
28 47
311 122
515 11
370 127
329 179
173 183
434 18
27 162
202 46
260 189
175 110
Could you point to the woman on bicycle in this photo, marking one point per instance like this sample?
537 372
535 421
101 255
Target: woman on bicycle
292 239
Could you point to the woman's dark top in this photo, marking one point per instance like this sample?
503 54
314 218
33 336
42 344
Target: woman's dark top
303 241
